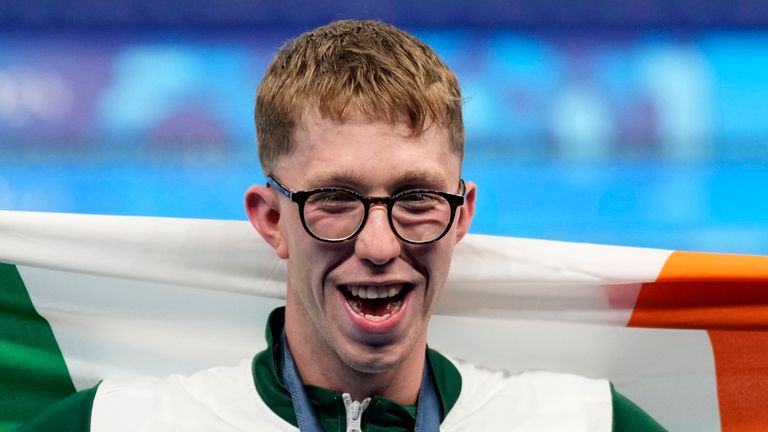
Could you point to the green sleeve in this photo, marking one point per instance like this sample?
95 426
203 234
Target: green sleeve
71 414
628 417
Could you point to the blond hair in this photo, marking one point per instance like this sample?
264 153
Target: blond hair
355 67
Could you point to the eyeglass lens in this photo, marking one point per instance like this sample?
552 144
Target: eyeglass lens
417 217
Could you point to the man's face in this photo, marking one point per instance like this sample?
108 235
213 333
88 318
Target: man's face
325 280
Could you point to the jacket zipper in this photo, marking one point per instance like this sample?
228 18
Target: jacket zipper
354 412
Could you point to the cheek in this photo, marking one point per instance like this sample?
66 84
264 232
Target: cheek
439 278
434 263
311 260
293 233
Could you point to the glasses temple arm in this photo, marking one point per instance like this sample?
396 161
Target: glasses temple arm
280 188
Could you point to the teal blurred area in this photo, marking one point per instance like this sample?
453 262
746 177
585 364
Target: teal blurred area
641 136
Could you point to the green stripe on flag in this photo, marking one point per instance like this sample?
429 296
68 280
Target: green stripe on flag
33 373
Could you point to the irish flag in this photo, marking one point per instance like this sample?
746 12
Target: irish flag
85 297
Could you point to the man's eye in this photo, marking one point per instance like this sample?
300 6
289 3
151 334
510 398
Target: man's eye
333 202
418 197
332 196
419 201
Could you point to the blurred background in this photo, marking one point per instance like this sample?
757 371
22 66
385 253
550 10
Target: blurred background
634 123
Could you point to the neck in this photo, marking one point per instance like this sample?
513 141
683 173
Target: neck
319 365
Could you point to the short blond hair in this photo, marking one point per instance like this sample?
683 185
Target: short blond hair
355 67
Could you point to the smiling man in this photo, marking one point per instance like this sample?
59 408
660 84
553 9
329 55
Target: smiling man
368 244
361 136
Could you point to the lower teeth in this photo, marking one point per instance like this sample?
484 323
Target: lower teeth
355 305
392 308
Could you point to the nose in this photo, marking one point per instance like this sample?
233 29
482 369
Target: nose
376 242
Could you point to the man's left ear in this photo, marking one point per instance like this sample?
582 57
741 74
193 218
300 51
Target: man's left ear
465 213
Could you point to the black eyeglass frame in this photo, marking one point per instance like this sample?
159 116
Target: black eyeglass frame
301 197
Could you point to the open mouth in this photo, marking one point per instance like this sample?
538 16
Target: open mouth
375 303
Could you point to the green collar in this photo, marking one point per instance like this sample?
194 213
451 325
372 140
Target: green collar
382 413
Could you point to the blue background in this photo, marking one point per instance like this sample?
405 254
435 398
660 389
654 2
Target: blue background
634 124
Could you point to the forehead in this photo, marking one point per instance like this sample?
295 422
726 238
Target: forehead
368 154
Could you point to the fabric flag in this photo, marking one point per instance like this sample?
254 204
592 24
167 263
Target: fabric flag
85 297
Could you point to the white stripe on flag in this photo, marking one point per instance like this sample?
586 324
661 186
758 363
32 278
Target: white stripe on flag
669 373
114 327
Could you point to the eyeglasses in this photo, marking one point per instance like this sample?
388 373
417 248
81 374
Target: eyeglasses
417 216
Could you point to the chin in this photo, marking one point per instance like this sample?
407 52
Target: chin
372 363
377 357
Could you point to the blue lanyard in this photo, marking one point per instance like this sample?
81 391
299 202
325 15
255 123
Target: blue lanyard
427 412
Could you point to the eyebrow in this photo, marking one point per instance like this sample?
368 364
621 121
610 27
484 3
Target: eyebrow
424 178
349 178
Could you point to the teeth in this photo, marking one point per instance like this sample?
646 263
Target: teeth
361 292
395 306
355 305
373 292
392 308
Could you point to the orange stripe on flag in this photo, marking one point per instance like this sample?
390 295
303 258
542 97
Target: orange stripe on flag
706 291
719 293
741 365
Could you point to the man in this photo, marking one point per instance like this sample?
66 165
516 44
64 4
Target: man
361 137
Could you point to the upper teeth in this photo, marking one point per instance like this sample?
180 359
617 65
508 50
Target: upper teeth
372 292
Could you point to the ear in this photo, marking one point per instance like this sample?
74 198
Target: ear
263 211
466 211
